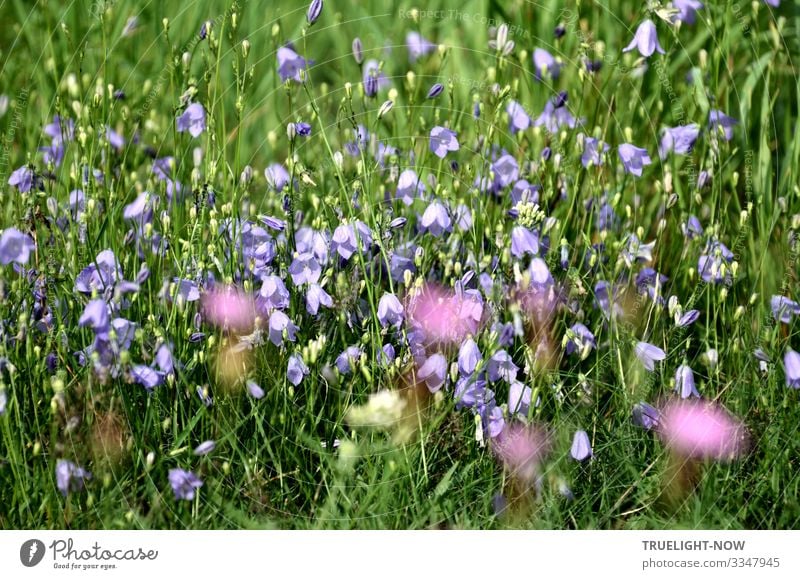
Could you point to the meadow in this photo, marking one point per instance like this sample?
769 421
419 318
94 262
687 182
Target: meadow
470 265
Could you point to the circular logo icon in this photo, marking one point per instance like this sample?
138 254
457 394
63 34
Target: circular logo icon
31 553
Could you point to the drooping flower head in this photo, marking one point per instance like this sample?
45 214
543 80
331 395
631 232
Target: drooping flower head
648 354
204 448
192 120
593 152
519 398
580 340
277 176
684 382
553 118
680 139
469 356
506 171
374 80
305 269
254 390
687 10
95 315
24 179
15 246
146 376
346 238
646 416
316 296
409 186
524 241
783 308
501 367
645 40
290 64
436 219
433 372
281 327
581 446
347 360
791 366
714 264
541 298
390 310
633 158
296 369
518 119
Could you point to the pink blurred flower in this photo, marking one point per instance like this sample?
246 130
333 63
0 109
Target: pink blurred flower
230 308
542 297
521 449
699 429
443 316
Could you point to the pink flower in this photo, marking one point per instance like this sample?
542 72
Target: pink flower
542 297
521 449
699 429
230 308
444 316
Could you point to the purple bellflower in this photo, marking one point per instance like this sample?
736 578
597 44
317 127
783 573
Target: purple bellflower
684 382
192 120
184 483
633 158
649 354
645 40
442 141
581 447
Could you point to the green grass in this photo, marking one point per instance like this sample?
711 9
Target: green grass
270 468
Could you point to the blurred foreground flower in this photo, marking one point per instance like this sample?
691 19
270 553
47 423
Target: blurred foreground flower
383 411
539 299
694 431
521 449
230 309
233 364
399 412
109 435
443 316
